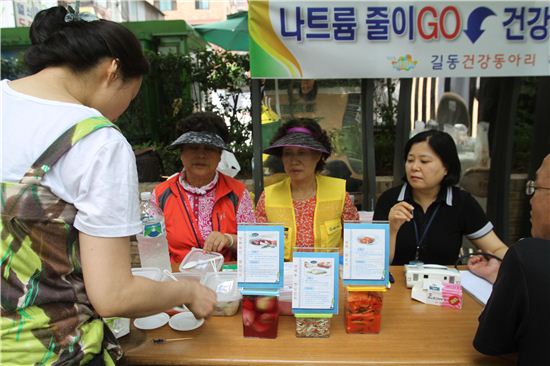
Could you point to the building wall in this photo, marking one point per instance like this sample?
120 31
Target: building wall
217 10
133 11
20 13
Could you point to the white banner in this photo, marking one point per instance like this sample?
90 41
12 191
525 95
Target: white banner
398 39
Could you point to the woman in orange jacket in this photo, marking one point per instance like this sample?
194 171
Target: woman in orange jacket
202 206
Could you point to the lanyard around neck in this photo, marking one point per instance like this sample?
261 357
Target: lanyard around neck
420 240
188 216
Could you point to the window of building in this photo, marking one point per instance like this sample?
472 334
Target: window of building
167 5
201 4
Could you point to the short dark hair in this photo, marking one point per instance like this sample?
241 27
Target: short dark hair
310 95
81 45
444 146
204 122
316 132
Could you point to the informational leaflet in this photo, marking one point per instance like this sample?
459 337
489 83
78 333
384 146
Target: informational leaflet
315 283
366 253
260 256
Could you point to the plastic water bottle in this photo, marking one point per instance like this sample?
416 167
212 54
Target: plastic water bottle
152 243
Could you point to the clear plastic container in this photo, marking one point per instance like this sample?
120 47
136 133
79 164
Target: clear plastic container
285 297
227 292
187 275
313 325
151 273
363 309
260 316
201 261
119 326
285 301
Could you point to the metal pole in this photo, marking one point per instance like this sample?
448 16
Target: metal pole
367 132
402 128
256 112
501 162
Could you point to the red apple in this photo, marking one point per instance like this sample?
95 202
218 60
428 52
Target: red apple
266 318
248 317
248 304
266 303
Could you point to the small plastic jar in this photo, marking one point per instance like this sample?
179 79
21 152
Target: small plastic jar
227 292
260 316
363 309
313 325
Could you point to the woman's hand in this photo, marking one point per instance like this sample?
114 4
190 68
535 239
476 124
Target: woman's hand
400 213
114 291
481 267
216 242
203 301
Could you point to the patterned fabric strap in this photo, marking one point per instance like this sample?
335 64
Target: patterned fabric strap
46 316
64 143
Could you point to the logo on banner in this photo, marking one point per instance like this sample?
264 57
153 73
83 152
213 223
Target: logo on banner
403 63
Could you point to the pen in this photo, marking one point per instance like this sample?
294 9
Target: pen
164 340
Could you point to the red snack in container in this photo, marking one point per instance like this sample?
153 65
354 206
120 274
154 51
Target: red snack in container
260 316
363 310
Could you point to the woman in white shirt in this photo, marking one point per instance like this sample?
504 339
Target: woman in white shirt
70 196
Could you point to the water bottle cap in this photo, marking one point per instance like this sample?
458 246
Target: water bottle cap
145 196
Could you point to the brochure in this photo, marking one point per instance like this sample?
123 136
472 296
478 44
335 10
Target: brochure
366 253
315 283
260 254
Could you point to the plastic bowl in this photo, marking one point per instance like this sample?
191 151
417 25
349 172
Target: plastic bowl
152 321
185 321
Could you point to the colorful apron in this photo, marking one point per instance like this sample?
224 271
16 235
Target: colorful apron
46 316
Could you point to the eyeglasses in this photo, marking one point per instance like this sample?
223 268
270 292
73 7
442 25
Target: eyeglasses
530 187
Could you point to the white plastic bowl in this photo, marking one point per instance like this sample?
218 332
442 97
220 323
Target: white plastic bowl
185 321
152 321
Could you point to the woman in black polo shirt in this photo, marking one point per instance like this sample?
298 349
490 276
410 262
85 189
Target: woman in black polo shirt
428 215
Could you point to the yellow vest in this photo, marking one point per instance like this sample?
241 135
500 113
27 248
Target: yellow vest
327 220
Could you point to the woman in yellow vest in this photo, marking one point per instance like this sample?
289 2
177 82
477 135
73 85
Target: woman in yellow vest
311 206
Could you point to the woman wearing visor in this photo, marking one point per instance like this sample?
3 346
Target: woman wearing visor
202 206
311 206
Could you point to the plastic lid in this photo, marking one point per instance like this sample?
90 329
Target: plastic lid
260 292
145 196
202 261
308 315
367 288
224 284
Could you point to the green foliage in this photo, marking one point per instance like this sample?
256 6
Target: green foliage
164 99
13 68
168 96
225 73
385 109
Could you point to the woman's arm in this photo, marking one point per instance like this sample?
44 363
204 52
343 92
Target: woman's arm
400 213
217 241
487 268
491 243
114 291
